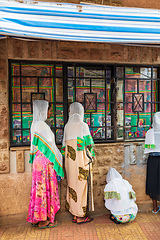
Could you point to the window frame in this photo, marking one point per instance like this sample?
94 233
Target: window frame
66 103
55 103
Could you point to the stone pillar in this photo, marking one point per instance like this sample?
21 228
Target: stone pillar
4 108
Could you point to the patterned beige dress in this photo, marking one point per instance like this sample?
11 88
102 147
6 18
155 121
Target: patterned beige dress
77 171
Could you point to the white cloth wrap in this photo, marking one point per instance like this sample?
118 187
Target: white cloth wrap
40 108
75 126
115 183
153 135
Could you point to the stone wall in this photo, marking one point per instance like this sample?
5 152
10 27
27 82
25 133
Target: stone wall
15 177
154 4
77 51
4 113
16 185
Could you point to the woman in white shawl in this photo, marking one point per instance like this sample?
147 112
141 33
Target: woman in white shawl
119 198
76 138
47 162
152 148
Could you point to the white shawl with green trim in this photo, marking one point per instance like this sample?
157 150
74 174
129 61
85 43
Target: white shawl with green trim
42 138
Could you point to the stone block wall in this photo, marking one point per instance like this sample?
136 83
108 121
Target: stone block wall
16 185
154 4
75 51
14 172
4 113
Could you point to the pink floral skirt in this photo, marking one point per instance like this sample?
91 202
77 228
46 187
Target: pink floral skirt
44 197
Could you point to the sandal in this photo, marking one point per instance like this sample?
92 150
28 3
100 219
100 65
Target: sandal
86 220
112 218
34 224
49 225
74 220
157 210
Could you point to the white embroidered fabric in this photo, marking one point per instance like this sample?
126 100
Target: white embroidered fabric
115 183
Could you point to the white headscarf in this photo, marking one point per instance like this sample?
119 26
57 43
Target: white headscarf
119 195
75 126
156 121
152 139
40 109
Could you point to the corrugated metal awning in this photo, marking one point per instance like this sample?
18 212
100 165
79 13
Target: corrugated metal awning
79 22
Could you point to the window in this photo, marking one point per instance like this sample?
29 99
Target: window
137 100
119 101
30 82
85 81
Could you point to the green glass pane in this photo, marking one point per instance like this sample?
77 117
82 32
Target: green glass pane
120 133
26 136
27 119
98 119
87 118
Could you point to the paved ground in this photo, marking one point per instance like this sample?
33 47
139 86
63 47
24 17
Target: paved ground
145 226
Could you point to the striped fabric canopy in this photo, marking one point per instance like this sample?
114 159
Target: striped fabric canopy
79 22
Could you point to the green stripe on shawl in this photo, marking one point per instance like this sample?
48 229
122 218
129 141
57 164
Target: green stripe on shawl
63 151
43 146
149 146
81 143
132 195
86 141
112 195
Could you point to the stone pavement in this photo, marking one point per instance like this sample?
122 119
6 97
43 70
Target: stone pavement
145 226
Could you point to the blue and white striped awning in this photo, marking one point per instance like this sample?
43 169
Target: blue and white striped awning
79 22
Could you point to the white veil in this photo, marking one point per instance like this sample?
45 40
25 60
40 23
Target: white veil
156 121
75 126
152 138
40 108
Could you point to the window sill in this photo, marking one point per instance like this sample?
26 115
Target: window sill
23 148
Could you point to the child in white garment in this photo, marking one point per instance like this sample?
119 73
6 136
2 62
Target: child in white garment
119 198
